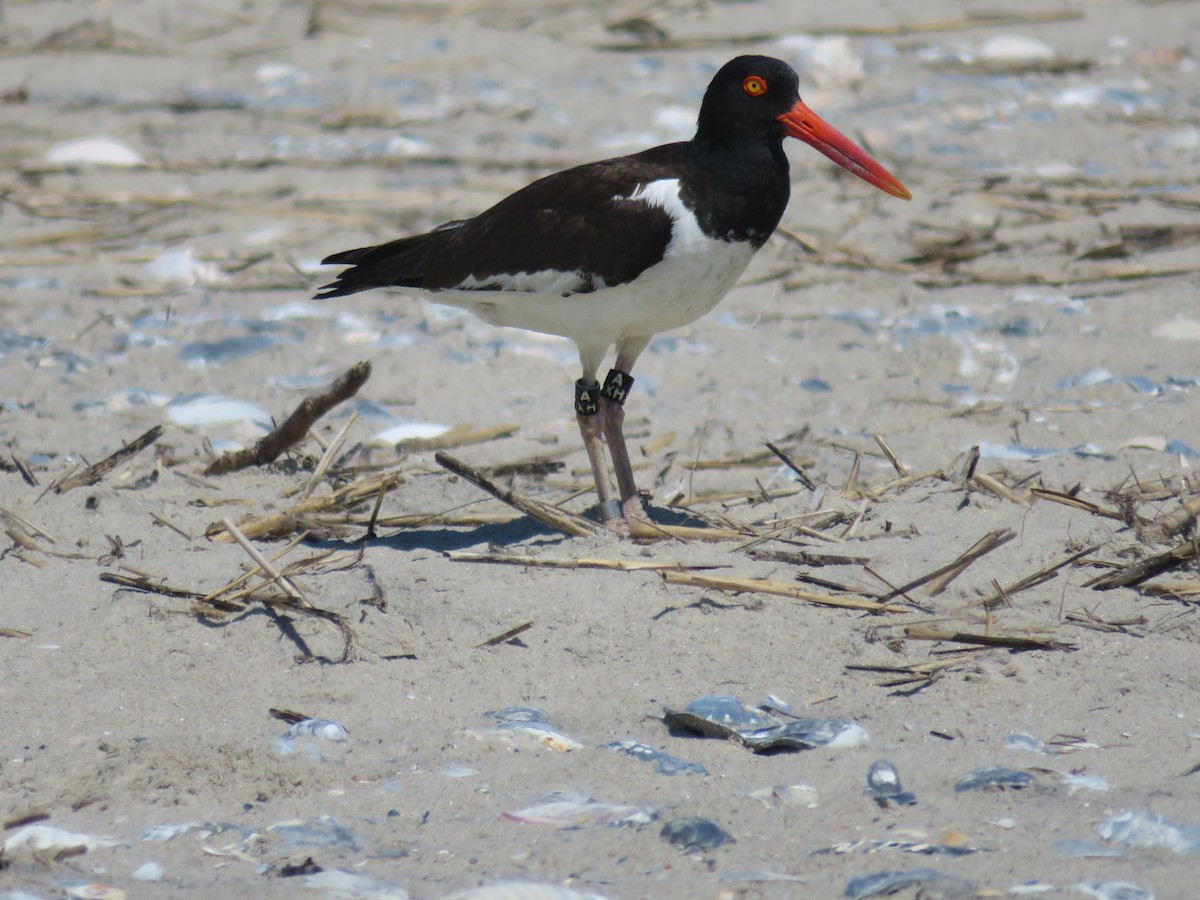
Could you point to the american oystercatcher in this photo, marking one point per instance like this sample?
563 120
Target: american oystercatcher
613 252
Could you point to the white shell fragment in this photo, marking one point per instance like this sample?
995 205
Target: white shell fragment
572 812
798 794
181 267
313 832
324 729
1114 890
198 410
723 716
879 884
664 763
339 884
994 778
883 785
1139 828
95 891
163 833
941 847
97 151
48 837
1015 48
523 728
1027 742
150 871
1079 781
695 835
306 735
409 431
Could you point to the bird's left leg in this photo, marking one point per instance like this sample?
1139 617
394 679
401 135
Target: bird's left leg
589 413
612 401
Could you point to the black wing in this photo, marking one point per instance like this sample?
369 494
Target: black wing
572 221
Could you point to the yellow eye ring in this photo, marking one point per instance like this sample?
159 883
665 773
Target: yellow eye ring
754 86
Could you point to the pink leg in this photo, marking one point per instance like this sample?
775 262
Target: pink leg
613 411
592 429
589 413
613 415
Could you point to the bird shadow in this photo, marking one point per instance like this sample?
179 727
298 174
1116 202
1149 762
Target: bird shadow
525 530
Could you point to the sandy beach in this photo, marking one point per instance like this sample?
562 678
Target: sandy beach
992 389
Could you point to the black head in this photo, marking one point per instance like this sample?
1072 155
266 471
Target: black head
746 98
756 100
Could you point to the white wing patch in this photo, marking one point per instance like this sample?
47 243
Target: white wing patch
686 236
547 281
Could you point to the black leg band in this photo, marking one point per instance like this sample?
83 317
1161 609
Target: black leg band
587 398
617 386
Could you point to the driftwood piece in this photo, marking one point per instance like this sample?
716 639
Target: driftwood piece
295 426
94 473
1170 524
1146 568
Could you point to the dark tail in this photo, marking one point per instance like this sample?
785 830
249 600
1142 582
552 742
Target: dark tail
401 263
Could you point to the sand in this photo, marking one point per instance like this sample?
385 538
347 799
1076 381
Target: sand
1011 305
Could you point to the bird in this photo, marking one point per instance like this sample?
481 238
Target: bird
610 253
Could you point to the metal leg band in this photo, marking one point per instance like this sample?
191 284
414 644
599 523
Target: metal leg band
609 509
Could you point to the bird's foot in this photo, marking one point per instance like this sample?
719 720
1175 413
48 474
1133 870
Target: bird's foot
619 516
612 515
633 510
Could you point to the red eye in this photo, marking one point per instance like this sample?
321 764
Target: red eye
754 86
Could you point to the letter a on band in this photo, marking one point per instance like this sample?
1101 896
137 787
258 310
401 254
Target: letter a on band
617 386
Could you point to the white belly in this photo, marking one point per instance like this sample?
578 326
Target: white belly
671 294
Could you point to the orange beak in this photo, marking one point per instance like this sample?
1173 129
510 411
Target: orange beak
804 124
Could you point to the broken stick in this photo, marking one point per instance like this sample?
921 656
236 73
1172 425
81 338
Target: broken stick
569 523
92 474
296 426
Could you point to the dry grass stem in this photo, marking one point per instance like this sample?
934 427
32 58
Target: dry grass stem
652 531
325 511
1002 594
459 436
505 636
1001 490
623 565
327 458
793 465
24 524
1068 500
560 520
901 470
263 563
984 545
924 633
779 588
